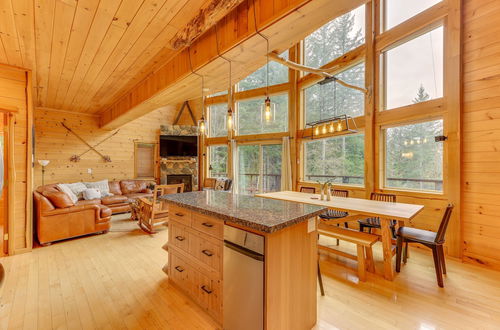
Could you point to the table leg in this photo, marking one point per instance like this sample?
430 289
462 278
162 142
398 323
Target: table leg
385 225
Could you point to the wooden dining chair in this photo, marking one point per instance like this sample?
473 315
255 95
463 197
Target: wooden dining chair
154 212
433 240
334 214
375 221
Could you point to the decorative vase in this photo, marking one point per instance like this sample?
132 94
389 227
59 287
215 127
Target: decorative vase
328 192
322 191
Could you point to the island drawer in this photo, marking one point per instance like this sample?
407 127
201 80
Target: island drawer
180 214
206 250
181 273
208 225
178 236
208 293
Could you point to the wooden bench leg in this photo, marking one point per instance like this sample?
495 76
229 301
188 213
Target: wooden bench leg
369 259
361 263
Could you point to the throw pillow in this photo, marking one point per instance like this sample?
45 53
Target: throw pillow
59 199
77 188
102 186
220 184
91 193
65 189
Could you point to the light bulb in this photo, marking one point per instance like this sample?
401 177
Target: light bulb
332 128
202 126
323 130
267 109
411 142
406 142
339 126
425 140
229 121
316 130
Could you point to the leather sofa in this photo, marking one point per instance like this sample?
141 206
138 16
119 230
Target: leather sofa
86 216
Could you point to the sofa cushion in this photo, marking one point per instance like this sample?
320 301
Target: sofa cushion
105 211
89 202
65 189
132 186
59 199
116 199
102 186
114 187
138 195
77 188
91 193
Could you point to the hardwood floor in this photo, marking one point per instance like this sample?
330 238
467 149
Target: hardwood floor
115 281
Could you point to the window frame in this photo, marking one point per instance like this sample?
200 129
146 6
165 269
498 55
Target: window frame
155 151
208 162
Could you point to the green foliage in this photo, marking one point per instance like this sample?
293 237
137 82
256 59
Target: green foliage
278 74
218 161
422 95
217 120
251 119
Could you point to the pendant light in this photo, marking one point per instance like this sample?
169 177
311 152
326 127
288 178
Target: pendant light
201 124
268 108
230 102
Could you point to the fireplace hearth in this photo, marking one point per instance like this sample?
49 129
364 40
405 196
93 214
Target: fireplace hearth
187 179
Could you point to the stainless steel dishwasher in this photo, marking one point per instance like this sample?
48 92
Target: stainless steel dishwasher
243 279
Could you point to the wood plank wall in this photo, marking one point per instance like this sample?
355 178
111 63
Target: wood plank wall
15 93
55 143
481 133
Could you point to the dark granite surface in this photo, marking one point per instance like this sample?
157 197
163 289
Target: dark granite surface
258 213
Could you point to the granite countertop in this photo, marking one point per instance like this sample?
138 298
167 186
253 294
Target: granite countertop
263 214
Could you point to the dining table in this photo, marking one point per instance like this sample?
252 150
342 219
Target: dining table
359 208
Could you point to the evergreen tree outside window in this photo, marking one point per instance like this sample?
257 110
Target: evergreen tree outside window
251 120
323 101
416 64
278 74
339 160
217 160
335 38
217 120
413 160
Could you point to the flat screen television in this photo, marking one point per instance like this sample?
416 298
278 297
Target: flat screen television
172 145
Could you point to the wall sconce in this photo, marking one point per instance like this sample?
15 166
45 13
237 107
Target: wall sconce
43 163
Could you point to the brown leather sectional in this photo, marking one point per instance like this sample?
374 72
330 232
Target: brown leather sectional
86 216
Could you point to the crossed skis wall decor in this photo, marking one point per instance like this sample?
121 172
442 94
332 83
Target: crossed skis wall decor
76 158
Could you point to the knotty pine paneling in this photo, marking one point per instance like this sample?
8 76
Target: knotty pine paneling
55 143
481 137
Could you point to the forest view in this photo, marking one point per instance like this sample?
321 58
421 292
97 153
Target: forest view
413 160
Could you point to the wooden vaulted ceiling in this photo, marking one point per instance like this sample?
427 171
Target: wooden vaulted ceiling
86 53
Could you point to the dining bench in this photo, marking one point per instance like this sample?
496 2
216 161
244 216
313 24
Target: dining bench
363 241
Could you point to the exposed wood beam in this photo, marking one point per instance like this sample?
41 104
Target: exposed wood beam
236 39
207 17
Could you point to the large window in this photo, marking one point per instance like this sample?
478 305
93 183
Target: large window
217 161
217 125
339 160
326 101
414 70
413 160
335 38
278 74
251 119
259 168
397 11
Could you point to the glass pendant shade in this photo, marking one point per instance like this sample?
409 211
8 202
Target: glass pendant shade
268 110
229 119
201 125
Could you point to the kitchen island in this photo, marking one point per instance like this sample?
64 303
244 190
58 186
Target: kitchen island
250 262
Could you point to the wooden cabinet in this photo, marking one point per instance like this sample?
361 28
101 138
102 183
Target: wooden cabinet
195 257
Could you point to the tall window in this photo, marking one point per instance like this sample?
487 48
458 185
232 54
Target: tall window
278 74
251 119
259 168
217 120
397 11
217 161
338 159
326 101
414 70
413 160
335 38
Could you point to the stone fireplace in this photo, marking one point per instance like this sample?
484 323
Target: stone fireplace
179 169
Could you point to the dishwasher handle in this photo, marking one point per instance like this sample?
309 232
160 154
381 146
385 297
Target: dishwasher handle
244 251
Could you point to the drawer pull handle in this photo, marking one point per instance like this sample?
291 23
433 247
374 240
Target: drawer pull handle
204 288
207 224
207 253
180 238
179 269
179 214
